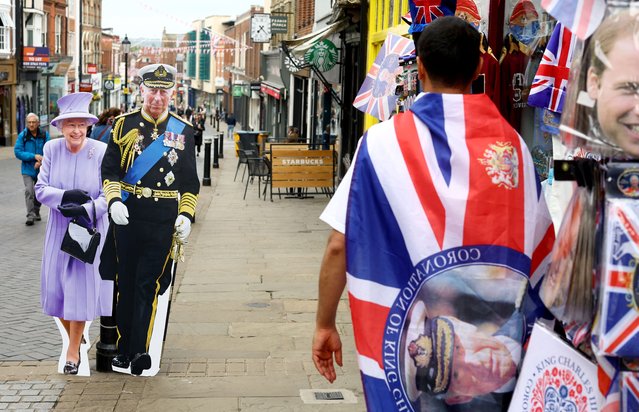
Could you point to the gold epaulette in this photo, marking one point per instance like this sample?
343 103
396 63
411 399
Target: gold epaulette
180 119
188 201
111 190
125 142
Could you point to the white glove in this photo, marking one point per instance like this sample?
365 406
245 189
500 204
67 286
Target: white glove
119 213
182 227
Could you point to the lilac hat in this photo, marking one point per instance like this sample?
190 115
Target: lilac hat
75 106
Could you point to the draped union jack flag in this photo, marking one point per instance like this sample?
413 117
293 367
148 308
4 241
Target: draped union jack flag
443 184
549 86
581 17
376 96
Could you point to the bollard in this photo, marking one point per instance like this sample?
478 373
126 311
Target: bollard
221 143
106 348
206 180
217 125
215 154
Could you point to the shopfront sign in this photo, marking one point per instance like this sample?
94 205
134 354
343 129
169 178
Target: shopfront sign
270 90
86 87
279 24
92 68
35 57
297 166
322 55
238 90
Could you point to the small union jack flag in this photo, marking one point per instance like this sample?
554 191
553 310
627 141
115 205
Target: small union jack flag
423 12
581 17
620 321
549 86
377 94
630 392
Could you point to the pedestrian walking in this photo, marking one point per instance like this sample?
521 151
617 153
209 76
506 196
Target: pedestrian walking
70 185
230 124
151 185
102 129
29 149
199 127
448 192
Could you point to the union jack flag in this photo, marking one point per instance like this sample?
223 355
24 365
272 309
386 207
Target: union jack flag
447 181
377 96
549 86
630 392
581 17
619 335
423 12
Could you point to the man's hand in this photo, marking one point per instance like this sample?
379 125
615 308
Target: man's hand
38 158
326 343
182 227
119 213
37 165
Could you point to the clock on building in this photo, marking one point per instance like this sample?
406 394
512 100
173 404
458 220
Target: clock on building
261 28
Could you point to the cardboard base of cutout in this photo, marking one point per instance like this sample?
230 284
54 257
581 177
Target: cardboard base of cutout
84 369
157 337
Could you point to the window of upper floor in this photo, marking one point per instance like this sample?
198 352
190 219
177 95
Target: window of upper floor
7 28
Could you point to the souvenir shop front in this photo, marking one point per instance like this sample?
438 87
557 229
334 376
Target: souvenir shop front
568 83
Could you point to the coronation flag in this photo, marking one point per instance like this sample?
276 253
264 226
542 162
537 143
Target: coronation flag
377 96
446 218
549 86
581 17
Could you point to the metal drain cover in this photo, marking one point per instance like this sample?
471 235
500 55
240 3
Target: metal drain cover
323 396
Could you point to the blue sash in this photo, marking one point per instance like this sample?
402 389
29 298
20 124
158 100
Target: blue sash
150 156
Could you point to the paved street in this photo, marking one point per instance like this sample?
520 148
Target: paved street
241 322
26 333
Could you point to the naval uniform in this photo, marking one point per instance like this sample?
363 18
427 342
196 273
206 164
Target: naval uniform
137 255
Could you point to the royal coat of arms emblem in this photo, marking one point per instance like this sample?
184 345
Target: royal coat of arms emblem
502 164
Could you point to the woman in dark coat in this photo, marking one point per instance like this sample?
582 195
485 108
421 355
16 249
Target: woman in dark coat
198 126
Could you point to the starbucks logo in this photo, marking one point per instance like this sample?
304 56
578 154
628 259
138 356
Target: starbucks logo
322 55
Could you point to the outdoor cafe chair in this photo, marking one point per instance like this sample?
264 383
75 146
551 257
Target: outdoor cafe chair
258 167
242 159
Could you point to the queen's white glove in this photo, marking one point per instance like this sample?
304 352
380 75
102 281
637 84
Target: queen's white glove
119 213
182 227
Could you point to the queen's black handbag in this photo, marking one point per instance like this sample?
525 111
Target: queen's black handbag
82 242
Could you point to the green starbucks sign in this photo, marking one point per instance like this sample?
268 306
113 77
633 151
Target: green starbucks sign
322 55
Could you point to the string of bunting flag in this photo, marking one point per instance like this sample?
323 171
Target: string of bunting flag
217 41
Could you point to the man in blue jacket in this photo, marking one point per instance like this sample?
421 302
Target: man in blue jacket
29 148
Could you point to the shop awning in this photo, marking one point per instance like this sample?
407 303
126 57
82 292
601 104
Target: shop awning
302 44
272 89
5 16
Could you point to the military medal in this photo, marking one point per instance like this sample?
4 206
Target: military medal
169 178
154 135
138 146
173 157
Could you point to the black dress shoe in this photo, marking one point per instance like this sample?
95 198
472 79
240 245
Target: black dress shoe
139 363
71 368
121 361
38 217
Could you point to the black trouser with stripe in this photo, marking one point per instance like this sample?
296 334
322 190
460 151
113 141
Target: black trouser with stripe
144 272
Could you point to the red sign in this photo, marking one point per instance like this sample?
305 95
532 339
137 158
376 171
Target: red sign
86 87
270 90
92 68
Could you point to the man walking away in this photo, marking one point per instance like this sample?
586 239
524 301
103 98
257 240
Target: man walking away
29 148
230 124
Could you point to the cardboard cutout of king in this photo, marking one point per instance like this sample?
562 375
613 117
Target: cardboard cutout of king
151 185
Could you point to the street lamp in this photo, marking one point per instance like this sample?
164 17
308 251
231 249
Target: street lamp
126 48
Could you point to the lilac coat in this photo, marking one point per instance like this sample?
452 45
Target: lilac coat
72 290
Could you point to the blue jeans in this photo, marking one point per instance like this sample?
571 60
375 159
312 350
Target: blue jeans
230 129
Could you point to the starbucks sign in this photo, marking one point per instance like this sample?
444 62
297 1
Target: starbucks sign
322 55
